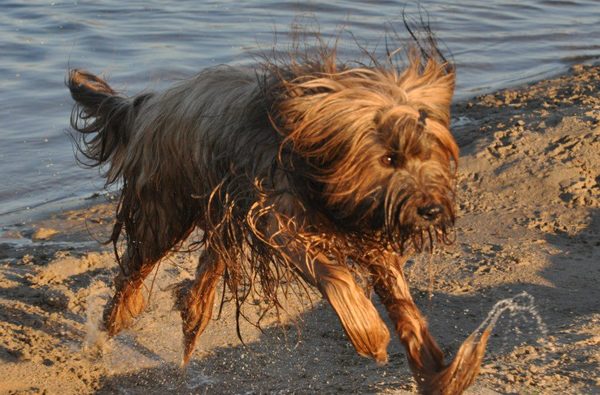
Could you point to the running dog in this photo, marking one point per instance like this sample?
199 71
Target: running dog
304 166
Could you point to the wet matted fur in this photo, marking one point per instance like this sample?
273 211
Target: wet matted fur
303 166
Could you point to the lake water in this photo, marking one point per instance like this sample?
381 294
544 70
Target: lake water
150 43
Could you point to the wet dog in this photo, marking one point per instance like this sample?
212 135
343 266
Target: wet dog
304 166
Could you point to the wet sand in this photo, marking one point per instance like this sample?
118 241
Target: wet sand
529 220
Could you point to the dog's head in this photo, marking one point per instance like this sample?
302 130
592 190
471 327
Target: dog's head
377 146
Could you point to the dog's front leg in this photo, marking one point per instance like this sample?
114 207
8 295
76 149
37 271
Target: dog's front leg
358 316
424 355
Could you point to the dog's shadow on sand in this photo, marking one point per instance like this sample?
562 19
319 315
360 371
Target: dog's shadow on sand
312 355
319 358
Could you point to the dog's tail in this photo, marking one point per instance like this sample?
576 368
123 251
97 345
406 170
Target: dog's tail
102 120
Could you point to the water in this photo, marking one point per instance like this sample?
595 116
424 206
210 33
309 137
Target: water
148 44
518 313
96 343
520 306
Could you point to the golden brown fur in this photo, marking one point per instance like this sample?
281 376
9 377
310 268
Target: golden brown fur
304 166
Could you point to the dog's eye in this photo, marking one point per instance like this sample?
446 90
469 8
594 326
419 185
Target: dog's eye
422 117
387 160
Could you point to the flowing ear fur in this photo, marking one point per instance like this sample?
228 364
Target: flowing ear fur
325 107
429 86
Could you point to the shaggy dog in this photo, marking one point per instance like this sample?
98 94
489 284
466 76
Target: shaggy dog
304 166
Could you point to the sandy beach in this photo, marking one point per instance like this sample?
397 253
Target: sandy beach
529 221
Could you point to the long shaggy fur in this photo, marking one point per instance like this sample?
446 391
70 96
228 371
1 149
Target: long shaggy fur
302 167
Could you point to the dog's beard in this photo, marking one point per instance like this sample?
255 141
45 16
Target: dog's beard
406 226
393 219
416 233
421 238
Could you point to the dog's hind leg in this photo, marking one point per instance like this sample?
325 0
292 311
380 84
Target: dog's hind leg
425 357
358 316
150 236
195 299
128 301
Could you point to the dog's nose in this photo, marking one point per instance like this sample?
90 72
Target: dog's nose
430 212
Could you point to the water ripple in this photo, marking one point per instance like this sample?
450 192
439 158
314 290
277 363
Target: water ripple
141 44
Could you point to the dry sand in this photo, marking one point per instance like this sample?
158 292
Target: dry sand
529 221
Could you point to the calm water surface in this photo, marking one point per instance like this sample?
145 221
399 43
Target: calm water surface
148 44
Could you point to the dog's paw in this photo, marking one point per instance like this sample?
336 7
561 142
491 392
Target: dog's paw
126 305
463 370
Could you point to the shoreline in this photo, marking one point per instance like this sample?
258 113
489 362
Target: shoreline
43 210
529 198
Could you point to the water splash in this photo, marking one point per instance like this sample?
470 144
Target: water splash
194 379
95 341
471 352
522 303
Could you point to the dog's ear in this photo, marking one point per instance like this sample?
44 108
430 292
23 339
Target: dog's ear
429 86
324 115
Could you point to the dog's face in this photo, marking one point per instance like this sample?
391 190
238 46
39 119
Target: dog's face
379 148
